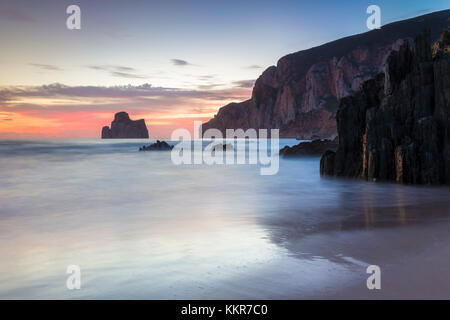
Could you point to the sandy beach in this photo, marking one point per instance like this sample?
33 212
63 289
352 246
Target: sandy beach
209 232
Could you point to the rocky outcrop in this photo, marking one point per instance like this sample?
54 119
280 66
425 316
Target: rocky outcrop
124 128
300 95
397 127
222 147
157 146
106 133
314 148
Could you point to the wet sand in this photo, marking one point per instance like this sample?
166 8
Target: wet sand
410 244
141 228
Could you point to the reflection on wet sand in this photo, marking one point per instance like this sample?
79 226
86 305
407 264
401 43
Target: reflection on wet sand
361 211
369 215
140 227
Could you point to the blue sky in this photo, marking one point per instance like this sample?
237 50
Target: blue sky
183 45
227 39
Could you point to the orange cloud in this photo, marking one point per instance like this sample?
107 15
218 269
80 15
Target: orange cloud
58 111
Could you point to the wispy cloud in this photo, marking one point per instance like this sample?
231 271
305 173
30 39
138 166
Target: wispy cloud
111 67
244 83
207 77
253 66
127 75
210 86
128 91
58 110
48 67
179 62
119 71
123 68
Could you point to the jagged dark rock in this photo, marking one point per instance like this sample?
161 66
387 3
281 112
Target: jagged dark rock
397 127
106 133
301 94
222 147
157 146
314 148
124 128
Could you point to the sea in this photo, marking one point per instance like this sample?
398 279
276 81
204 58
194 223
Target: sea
138 226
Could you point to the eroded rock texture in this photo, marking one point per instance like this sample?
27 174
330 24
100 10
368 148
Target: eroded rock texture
157 146
314 148
301 94
124 128
396 128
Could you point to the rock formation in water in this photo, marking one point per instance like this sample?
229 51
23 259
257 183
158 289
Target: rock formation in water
397 127
222 147
157 146
124 128
301 94
314 148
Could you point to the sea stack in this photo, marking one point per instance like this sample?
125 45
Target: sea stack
124 128
397 128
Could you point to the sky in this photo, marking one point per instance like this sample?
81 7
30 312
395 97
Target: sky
169 62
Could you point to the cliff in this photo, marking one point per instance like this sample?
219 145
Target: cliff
300 95
397 127
122 127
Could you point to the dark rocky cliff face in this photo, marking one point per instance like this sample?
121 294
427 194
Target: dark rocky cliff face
301 94
397 127
124 128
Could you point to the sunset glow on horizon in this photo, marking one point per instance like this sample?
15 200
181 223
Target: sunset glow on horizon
169 63
71 112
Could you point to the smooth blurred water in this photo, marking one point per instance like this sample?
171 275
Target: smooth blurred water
141 227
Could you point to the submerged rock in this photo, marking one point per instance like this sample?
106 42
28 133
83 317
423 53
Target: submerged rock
158 146
124 128
314 148
397 127
222 147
